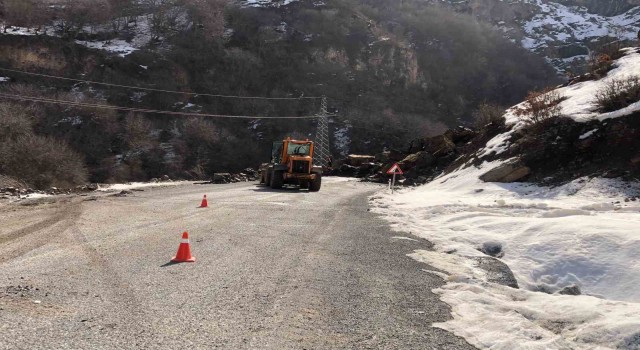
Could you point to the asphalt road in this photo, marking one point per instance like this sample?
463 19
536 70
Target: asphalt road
275 270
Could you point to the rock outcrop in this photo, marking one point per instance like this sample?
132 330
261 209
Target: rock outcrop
508 172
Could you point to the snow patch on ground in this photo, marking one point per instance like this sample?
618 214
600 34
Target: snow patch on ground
35 196
587 134
335 179
497 145
581 234
141 36
120 47
267 3
134 185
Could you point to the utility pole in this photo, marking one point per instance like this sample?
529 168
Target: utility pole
322 152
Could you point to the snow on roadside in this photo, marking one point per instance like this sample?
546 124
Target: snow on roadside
34 196
336 179
135 185
582 233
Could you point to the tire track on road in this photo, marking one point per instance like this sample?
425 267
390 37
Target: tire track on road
119 292
40 233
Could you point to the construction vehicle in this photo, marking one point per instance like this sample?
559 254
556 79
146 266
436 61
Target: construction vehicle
292 164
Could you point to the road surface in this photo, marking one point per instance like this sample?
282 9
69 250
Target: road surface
281 269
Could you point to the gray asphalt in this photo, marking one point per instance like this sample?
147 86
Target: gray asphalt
275 270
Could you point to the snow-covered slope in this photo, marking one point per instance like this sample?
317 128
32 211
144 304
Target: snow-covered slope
556 23
562 31
567 34
582 234
580 99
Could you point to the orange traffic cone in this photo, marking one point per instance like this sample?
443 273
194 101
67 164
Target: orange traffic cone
184 250
204 203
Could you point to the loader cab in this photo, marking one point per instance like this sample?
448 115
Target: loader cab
284 151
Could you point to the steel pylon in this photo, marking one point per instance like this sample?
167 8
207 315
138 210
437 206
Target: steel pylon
322 152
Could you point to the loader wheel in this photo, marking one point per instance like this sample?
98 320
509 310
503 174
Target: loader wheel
277 179
314 186
267 178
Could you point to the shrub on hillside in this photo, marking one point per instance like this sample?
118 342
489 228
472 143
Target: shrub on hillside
15 121
618 94
540 106
42 162
488 114
600 65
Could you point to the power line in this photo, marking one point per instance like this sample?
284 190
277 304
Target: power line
159 90
137 110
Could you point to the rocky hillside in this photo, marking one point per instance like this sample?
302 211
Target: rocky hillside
566 32
391 71
588 128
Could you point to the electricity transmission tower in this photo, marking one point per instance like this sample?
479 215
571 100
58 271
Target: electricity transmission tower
322 152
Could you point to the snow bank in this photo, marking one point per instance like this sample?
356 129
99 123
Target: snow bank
581 234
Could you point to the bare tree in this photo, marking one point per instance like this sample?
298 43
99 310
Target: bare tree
162 15
23 13
207 15
76 15
123 13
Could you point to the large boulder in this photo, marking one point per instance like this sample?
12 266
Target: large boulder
421 159
395 156
382 157
439 146
347 170
222 178
460 134
508 172
359 159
